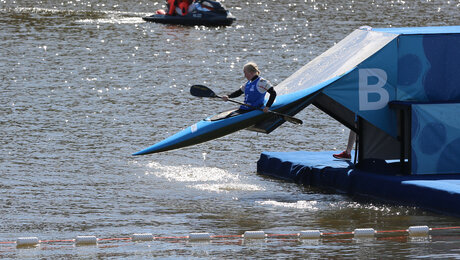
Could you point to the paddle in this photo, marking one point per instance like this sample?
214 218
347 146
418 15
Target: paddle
203 91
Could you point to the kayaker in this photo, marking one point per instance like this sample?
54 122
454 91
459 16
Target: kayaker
254 90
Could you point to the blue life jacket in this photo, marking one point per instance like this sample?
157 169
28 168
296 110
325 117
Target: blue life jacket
252 96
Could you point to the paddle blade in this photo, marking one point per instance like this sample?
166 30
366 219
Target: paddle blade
202 91
293 120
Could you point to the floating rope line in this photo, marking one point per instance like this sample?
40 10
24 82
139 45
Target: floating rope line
413 231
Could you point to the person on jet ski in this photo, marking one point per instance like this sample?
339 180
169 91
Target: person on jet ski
180 7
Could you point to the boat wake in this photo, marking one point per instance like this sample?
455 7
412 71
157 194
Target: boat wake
84 16
112 20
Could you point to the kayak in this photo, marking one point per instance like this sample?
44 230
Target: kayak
192 19
211 128
227 122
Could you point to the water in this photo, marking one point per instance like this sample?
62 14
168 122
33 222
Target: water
87 83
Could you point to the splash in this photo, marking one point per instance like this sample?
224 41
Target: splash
203 178
227 187
188 173
370 206
301 204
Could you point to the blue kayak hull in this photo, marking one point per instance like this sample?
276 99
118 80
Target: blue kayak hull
203 131
206 129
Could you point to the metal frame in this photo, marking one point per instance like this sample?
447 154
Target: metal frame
405 134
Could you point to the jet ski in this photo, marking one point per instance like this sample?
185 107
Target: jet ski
203 12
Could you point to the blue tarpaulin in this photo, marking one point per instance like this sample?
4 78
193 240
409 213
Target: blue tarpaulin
435 138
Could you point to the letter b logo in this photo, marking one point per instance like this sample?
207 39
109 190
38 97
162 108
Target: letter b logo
366 88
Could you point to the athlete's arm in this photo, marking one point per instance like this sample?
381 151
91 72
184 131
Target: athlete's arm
272 97
235 94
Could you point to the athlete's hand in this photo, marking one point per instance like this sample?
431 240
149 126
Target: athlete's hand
266 109
225 98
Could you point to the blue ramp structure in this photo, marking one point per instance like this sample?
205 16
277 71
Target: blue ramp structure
396 88
399 90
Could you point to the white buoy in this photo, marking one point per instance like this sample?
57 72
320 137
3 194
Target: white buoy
86 240
418 230
309 234
254 234
364 232
27 241
142 237
199 236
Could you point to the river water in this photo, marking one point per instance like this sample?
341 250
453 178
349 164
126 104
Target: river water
86 83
